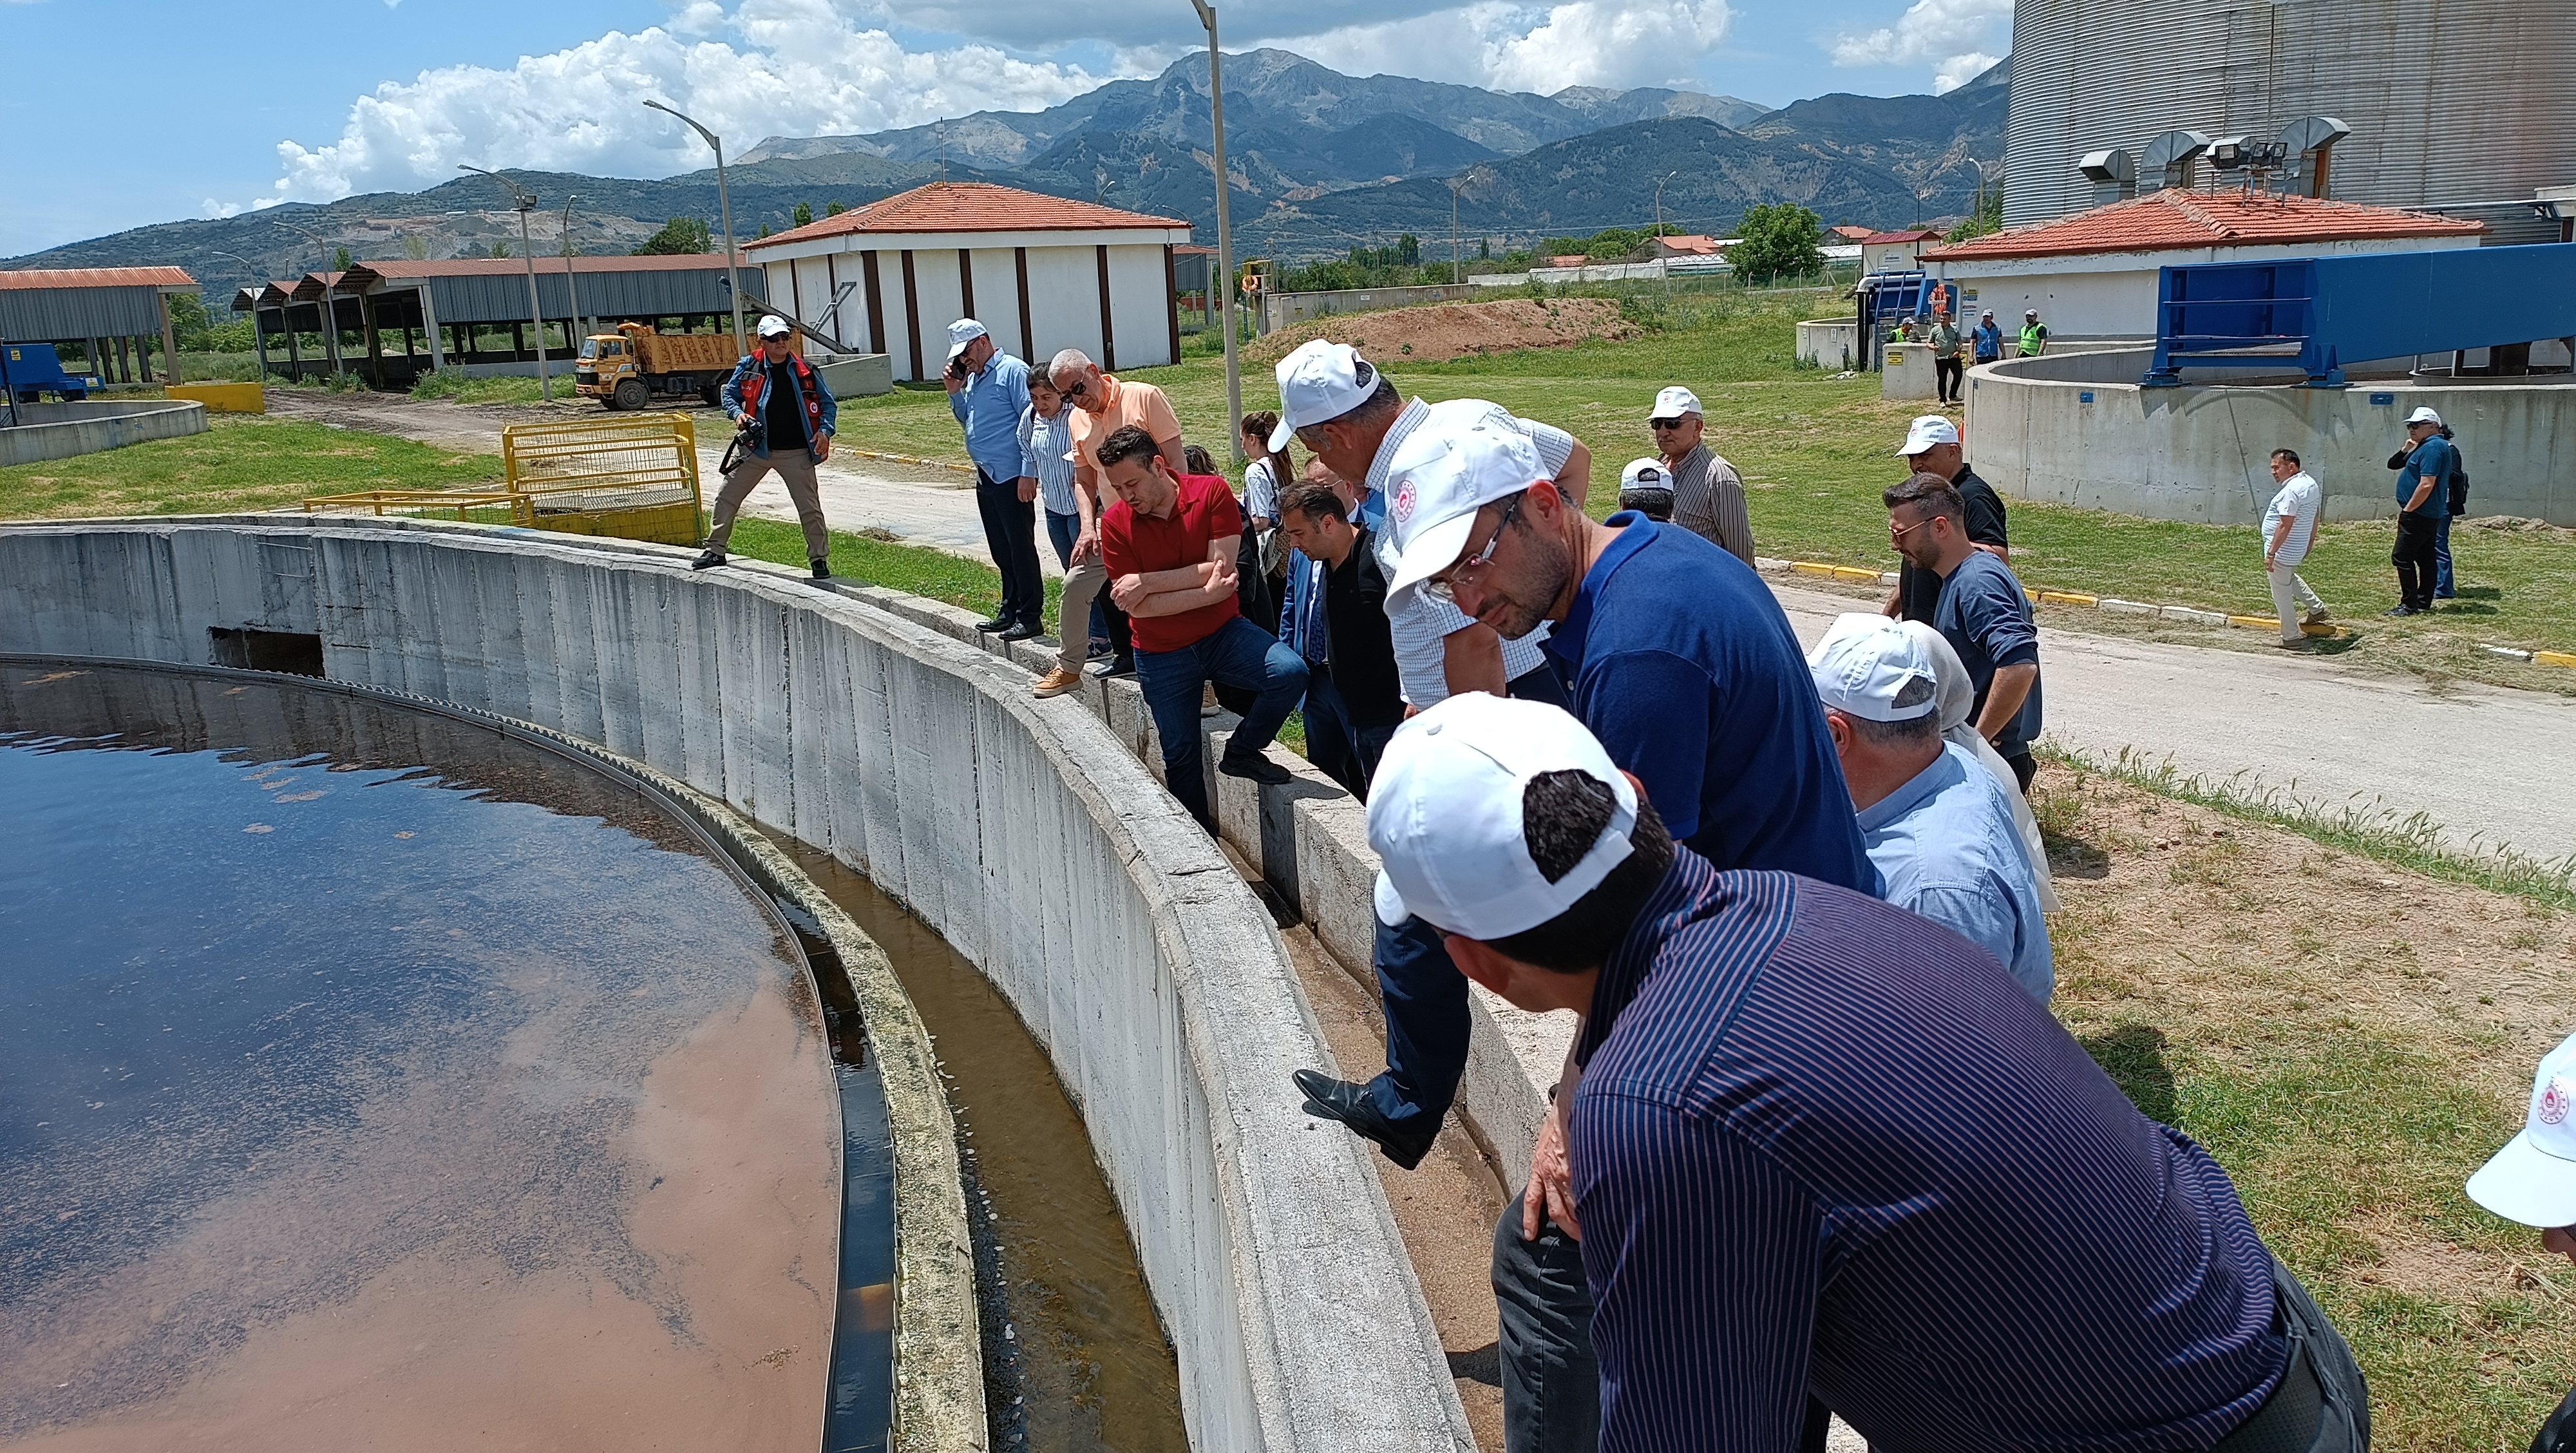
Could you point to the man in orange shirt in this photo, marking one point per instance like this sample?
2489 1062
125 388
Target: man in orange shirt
1170 545
1101 405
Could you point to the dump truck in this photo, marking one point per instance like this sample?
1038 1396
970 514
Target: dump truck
631 367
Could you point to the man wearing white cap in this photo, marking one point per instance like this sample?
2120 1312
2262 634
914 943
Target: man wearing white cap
1708 495
2423 502
786 414
2533 1181
1932 447
1646 486
1828 1158
988 391
1938 827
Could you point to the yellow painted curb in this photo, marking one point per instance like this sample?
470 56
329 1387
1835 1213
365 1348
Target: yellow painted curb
1810 567
2068 597
223 398
2554 658
2254 623
1854 572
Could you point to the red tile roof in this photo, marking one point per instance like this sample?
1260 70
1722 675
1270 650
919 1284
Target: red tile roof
971 207
1853 233
96 277
1902 235
2163 221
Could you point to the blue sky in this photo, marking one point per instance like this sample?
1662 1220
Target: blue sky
125 112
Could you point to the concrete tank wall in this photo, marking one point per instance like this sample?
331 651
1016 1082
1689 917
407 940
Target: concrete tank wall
1026 832
2079 430
64 430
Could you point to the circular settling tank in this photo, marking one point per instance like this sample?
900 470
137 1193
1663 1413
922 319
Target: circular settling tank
371 1078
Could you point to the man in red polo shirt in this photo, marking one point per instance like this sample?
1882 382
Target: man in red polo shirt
1170 546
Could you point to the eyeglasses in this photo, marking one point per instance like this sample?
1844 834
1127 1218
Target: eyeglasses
1312 436
1660 425
1075 389
1442 586
1896 531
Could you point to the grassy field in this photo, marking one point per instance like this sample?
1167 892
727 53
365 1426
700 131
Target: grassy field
239 463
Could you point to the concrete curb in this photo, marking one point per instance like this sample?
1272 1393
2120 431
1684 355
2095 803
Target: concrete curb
2182 614
1028 835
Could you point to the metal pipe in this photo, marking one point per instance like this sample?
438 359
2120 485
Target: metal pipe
571 287
724 206
1224 232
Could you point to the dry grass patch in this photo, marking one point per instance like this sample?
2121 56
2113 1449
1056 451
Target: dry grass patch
1453 330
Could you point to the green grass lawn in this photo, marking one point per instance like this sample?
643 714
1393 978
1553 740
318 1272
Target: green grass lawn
241 462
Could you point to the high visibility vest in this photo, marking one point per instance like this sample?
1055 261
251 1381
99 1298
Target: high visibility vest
2031 334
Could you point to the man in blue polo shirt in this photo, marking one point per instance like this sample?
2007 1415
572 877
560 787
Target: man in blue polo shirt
1686 668
1983 613
1830 1158
2423 502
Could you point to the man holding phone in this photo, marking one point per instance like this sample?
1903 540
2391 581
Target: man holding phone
988 390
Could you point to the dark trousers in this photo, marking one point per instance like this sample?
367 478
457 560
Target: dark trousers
1947 374
2322 1404
1551 1382
2414 559
2442 559
1011 533
1338 747
1237 653
1062 531
2024 767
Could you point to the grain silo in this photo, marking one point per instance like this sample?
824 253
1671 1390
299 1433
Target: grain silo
2451 104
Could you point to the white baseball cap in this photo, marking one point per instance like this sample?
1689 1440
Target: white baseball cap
2423 415
1673 403
1444 814
1319 382
1438 481
2531 1180
1927 431
774 326
1647 473
961 333
1864 664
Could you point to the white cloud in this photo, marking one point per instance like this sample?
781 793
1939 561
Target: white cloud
800 67
1516 48
1952 35
215 208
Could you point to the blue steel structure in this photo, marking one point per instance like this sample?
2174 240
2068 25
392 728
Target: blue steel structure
2325 312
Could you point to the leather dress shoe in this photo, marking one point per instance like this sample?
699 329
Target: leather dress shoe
997 623
1331 1099
1024 631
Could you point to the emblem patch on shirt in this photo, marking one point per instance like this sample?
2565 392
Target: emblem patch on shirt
2553 1105
1404 502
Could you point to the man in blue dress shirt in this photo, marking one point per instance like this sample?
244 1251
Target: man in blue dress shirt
988 391
1830 1158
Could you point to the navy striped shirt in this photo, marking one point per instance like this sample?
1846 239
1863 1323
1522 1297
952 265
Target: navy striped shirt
1824 1148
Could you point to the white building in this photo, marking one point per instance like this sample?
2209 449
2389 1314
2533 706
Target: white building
1041 272
2094 274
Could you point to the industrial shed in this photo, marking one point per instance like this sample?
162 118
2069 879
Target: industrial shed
1041 272
400 318
113 313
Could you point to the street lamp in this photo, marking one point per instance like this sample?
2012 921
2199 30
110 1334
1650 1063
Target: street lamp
1457 273
526 202
1663 264
1224 232
570 286
724 206
326 314
258 340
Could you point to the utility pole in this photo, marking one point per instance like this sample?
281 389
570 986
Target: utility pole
1457 269
1663 264
570 286
1224 232
724 206
526 202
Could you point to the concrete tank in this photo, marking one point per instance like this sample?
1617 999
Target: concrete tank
2450 102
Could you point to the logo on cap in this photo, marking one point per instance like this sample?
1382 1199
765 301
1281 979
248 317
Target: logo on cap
2553 1105
1404 502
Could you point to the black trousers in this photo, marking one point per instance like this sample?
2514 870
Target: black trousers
1946 376
1011 533
2413 557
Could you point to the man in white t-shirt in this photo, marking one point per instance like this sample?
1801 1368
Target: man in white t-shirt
2288 526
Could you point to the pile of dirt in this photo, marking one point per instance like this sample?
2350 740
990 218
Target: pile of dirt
1452 330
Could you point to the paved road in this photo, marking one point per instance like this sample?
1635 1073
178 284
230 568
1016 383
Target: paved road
2478 760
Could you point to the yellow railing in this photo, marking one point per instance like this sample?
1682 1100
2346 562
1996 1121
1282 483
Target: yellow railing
633 476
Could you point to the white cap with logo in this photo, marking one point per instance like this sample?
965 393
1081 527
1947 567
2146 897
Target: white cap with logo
1929 430
1673 403
1319 382
2533 1179
1444 814
2423 415
1647 473
1864 664
961 333
774 326
1441 477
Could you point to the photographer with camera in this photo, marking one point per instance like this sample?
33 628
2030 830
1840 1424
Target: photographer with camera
783 418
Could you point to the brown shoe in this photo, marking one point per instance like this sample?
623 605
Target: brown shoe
1056 682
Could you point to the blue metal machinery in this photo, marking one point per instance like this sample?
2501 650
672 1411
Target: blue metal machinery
34 368
1887 296
2325 312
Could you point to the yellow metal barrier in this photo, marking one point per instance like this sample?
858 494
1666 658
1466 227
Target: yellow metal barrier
634 476
223 398
476 506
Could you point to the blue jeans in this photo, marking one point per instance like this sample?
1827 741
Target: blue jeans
1238 654
2442 559
1551 1378
1339 748
1062 531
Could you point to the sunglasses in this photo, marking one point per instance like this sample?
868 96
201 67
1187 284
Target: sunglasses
1075 389
1660 425
1440 585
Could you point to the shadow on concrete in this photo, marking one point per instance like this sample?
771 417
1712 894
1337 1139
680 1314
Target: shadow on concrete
1484 1365
2133 1055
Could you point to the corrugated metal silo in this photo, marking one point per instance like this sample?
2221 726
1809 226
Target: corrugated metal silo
2450 101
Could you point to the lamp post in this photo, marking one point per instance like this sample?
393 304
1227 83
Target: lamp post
326 314
1457 271
724 207
526 202
1224 232
570 286
258 340
1663 264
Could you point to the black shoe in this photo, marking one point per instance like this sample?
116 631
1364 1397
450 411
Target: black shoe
1100 651
707 560
1119 666
2406 610
1254 766
997 623
822 570
1023 631
1331 1099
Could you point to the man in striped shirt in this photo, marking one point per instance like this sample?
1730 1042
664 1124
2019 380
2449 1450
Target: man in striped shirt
1708 495
1831 1158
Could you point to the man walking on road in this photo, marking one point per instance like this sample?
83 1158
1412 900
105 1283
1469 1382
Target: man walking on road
2289 525
1708 495
1947 371
1983 613
2423 501
788 414
1932 447
988 391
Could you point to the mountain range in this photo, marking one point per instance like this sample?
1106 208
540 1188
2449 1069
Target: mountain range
1318 161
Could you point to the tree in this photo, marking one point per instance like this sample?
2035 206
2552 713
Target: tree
500 249
1778 241
803 214
1988 213
340 259
764 229
834 209
679 236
